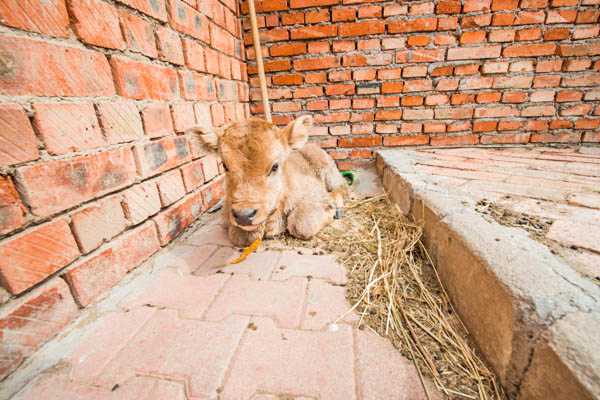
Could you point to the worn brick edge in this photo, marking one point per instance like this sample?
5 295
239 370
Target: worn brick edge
554 314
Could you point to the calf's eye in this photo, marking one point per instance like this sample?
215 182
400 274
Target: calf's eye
274 168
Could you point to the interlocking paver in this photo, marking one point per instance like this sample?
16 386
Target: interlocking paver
259 265
58 387
325 304
176 349
577 233
306 265
241 295
382 371
171 289
293 362
187 258
215 234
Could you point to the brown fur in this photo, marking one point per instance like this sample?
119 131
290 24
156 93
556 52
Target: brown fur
301 197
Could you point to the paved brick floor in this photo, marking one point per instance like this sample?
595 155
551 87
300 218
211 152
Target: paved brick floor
194 326
562 185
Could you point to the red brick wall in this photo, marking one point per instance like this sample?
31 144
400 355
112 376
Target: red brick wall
443 72
95 171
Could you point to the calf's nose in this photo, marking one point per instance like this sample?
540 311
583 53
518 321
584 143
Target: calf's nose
244 217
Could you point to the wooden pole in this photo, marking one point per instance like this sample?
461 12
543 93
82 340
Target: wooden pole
259 61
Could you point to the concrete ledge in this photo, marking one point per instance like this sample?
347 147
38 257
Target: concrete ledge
519 302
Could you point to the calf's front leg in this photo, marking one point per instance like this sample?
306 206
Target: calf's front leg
306 220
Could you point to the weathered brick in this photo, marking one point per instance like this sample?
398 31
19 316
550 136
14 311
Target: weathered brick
154 8
31 256
12 211
140 80
75 71
120 121
496 112
416 25
530 50
98 223
56 185
33 319
172 221
170 187
67 127
140 202
360 142
183 116
313 32
194 55
316 63
186 19
158 156
169 46
469 53
415 56
93 275
362 28
47 17
192 175
197 87
138 34
454 140
97 23
157 120
17 140
561 16
579 50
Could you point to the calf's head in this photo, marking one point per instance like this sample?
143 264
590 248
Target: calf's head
253 153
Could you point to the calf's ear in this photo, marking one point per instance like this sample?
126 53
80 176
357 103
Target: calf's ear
207 136
297 131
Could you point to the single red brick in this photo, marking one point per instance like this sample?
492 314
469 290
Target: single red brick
556 34
528 34
157 120
442 71
17 140
395 9
512 82
418 41
448 7
140 202
360 142
581 80
422 8
186 19
462 98
371 11
411 127
317 105
393 43
138 34
316 63
316 16
97 223
362 28
67 127
484 126
33 319
514 97
586 124
120 121
415 56
313 32
412 114
343 46
154 8
92 276
419 85
287 79
476 5
530 17
530 50
75 71
546 81
12 211
506 138
502 35
454 140
97 23
447 84
170 187
332 117
338 155
406 140
561 17
158 156
392 73
31 256
197 87
292 18
310 3
392 87
434 127
40 16
579 50
194 55
343 14
568 95
318 47
169 46
313 91
505 19
502 5
587 16
447 24
453 113
364 74
466 69
416 25
139 80
471 37
477 21
566 137
412 101
580 109
388 115
360 154
172 221
469 53
496 112
549 66
288 49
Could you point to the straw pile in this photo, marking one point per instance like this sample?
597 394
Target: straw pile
395 290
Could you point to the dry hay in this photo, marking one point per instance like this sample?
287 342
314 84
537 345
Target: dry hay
397 294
